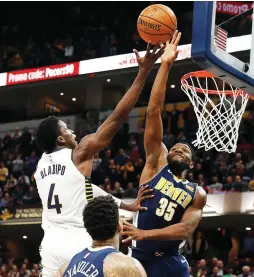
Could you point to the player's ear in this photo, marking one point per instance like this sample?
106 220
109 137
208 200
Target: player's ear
191 165
60 140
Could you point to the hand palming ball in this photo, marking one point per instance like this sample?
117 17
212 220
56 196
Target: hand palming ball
156 23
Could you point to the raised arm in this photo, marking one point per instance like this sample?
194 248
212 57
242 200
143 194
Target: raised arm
118 264
96 142
154 128
179 231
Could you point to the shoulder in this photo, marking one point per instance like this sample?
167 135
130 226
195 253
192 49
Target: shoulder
118 264
200 198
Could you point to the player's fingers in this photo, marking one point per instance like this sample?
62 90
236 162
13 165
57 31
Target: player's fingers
160 52
127 240
142 208
174 37
126 223
148 48
136 53
146 197
144 188
146 191
177 39
155 49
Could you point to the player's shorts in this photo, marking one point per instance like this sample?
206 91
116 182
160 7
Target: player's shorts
162 264
59 246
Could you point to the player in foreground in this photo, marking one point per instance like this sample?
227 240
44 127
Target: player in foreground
176 209
102 258
63 171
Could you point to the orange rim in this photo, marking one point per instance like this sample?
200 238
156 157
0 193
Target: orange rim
207 74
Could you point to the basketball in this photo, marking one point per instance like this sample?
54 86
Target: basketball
156 23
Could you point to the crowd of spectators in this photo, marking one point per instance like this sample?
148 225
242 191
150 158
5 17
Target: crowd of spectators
117 169
81 31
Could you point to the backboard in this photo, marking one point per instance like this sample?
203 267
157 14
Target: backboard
222 41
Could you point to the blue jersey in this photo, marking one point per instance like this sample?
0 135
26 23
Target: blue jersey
172 197
89 262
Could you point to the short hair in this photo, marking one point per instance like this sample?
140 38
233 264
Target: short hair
101 218
47 134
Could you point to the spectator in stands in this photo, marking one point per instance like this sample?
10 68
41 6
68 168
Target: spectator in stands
6 200
238 185
227 186
11 181
216 272
130 191
18 165
245 271
201 266
215 186
3 173
121 158
220 266
9 161
118 190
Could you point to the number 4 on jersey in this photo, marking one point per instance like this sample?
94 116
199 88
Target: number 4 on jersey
57 205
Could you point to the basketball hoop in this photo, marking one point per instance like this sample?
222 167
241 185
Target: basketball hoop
219 108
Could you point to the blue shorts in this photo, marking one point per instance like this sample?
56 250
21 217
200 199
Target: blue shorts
163 266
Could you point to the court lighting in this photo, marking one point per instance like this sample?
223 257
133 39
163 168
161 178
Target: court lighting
108 80
172 86
24 237
248 228
74 99
61 93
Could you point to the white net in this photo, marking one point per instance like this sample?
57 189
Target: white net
219 109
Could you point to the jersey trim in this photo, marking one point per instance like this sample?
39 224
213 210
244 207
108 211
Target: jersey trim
153 176
92 249
88 189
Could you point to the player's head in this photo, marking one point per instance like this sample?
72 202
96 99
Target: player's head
180 158
101 218
53 132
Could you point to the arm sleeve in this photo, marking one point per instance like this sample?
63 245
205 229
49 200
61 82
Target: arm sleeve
100 192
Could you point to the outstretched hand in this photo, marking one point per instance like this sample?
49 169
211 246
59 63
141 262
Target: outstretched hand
143 194
147 62
132 232
171 52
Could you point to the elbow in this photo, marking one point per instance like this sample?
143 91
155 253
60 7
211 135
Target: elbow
151 112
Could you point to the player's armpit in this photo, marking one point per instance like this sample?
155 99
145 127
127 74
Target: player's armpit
119 265
188 224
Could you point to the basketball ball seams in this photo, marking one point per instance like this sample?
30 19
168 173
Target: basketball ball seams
154 34
159 7
153 25
156 20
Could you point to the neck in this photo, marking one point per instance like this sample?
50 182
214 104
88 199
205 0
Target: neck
113 242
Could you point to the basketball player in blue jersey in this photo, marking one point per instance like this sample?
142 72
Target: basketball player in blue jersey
176 209
102 259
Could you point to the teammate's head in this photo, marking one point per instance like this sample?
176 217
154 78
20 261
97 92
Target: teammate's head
101 218
180 158
53 132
